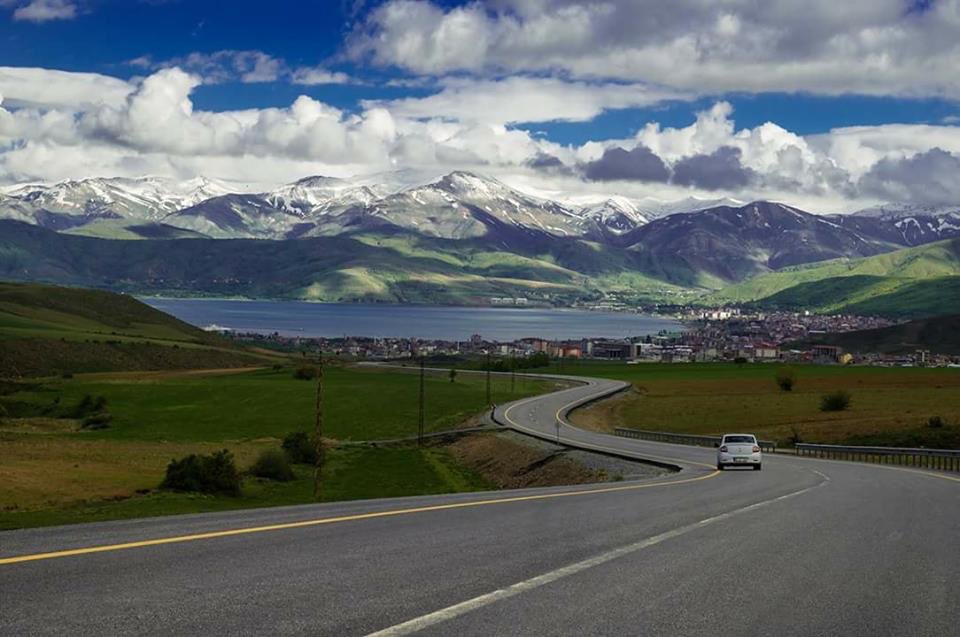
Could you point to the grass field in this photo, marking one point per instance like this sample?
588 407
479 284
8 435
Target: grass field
888 404
51 473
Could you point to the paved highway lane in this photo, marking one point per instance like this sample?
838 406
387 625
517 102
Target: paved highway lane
803 547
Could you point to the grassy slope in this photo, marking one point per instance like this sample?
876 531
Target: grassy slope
47 329
899 283
51 473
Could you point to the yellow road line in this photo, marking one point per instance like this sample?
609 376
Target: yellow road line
506 414
346 518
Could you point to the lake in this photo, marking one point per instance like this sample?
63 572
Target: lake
294 318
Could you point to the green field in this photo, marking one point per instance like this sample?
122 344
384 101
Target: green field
51 472
713 398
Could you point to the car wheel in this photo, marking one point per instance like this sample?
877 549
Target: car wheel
757 467
719 467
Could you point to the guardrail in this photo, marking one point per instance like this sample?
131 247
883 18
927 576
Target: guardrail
943 459
683 439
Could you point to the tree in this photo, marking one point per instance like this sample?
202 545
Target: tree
785 378
453 375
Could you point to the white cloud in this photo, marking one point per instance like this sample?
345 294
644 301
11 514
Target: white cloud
526 99
45 10
316 75
47 88
249 67
55 124
823 46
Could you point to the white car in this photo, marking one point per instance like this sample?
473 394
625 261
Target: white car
739 450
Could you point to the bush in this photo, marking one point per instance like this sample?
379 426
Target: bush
786 378
835 401
305 372
795 437
299 448
3 412
935 422
453 375
272 464
215 473
89 405
740 360
100 420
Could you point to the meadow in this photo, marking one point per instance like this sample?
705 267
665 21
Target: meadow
888 406
52 472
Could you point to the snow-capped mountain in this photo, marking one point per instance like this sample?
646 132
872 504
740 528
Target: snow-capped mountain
148 198
901 210
462 205
617 214
904 224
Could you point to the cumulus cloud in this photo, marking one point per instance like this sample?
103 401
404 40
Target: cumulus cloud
823 46
527 99
43 10
639 164
932 177
55 125
157 119
719 170
45 88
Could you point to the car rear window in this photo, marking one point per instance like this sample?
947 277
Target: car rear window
749 439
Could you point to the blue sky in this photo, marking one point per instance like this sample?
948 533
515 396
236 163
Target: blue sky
623 74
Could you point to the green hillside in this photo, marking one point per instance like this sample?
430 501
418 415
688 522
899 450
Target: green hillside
49 330
940 335
933 260
386 265
914 282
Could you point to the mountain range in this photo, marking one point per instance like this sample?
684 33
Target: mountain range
458 239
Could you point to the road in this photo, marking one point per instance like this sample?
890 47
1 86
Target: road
805 547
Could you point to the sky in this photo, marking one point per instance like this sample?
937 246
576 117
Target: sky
830 106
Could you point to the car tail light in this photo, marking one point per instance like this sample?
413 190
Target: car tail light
723 449
756 449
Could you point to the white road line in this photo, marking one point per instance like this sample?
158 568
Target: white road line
444 614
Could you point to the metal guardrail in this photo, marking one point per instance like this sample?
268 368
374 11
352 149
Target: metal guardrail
943 459
683 439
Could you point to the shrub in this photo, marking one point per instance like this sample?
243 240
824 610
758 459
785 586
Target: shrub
785 378
795 436
305 372
835 401
299 448
740 360
935 422
453 375
272 464
89 405
215 473
3 412
100 420
66 375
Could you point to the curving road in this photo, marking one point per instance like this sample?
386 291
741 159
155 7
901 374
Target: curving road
805 547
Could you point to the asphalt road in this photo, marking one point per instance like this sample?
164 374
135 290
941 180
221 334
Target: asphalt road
805 547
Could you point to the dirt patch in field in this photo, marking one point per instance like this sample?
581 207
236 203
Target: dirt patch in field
513 465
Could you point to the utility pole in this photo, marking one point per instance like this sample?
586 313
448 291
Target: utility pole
489 400
420 413
318 433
